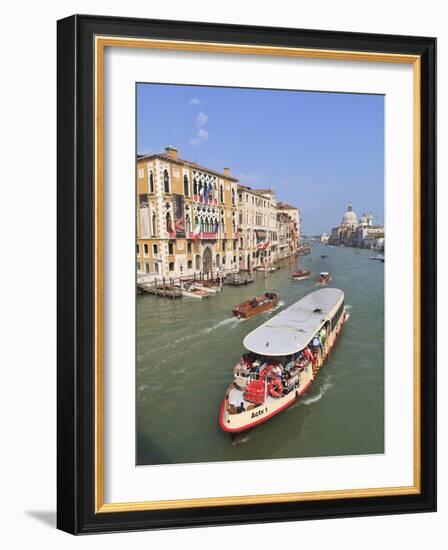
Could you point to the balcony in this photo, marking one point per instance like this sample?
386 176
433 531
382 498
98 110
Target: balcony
209 235
201 198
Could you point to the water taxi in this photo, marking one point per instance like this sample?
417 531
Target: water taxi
256 305
300 274
284 356
323 278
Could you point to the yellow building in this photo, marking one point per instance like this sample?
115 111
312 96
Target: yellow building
187 220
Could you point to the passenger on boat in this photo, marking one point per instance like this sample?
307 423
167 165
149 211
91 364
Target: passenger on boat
278 371
308 354
316 343
302 362
247 360
323 337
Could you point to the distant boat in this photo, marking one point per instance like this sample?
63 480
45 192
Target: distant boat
238 280
300 274
323 278
196 291
256 305
377 257
324 255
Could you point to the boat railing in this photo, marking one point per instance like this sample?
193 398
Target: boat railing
249 375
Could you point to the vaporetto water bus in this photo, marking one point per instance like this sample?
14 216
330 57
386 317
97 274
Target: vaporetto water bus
284 356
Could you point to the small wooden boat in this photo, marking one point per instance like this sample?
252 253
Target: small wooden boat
324 255
238 279
256 305
300 274
323 278
196 291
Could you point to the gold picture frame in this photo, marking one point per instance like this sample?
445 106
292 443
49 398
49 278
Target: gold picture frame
92 31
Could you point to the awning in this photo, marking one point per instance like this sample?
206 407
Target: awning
263 246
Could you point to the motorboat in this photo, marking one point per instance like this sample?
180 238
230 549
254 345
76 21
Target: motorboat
257 305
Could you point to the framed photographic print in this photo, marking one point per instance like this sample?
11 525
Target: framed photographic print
247 274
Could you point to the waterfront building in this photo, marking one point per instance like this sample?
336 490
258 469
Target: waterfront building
360 233
257 223
284 232
294 216
268 229
324 238
187 218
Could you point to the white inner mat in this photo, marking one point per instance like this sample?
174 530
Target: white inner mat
124 482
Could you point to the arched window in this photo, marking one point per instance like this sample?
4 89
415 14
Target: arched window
186 186
151 182
187 223
233 197
200 187
166 181
221 193
169 225
154 224
195 186
198 263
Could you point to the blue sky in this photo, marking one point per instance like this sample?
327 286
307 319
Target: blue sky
319 151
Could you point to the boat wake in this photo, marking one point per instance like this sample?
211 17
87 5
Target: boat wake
327 385
232 321
309 400
270 311
244 437
219 324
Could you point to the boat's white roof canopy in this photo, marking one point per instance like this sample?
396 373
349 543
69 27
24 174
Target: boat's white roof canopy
292 329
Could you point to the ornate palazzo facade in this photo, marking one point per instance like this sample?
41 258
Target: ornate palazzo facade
187 219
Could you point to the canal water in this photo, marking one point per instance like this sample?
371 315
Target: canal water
187 348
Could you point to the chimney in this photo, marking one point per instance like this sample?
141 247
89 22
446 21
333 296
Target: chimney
227 171
171 152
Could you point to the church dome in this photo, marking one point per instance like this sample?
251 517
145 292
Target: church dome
349 218
363 219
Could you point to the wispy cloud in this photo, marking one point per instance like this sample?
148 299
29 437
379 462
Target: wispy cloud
201 120
202 134
194 101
